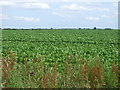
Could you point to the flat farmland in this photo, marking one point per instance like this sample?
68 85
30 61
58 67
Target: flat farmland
60 58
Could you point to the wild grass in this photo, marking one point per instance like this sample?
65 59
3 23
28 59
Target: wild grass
35 74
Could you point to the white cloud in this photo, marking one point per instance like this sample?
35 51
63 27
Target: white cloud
74 7
28 19
62 14
104 16
92 18
24 4
98 17
103 9
3 16
6 3
79 7
35 5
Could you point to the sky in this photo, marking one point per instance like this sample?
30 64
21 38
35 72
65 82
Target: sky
58 14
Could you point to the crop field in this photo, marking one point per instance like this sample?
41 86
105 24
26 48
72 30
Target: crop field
60 58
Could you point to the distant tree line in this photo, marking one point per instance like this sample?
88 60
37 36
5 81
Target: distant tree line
53 28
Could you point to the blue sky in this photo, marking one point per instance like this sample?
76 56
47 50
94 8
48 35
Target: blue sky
62 14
